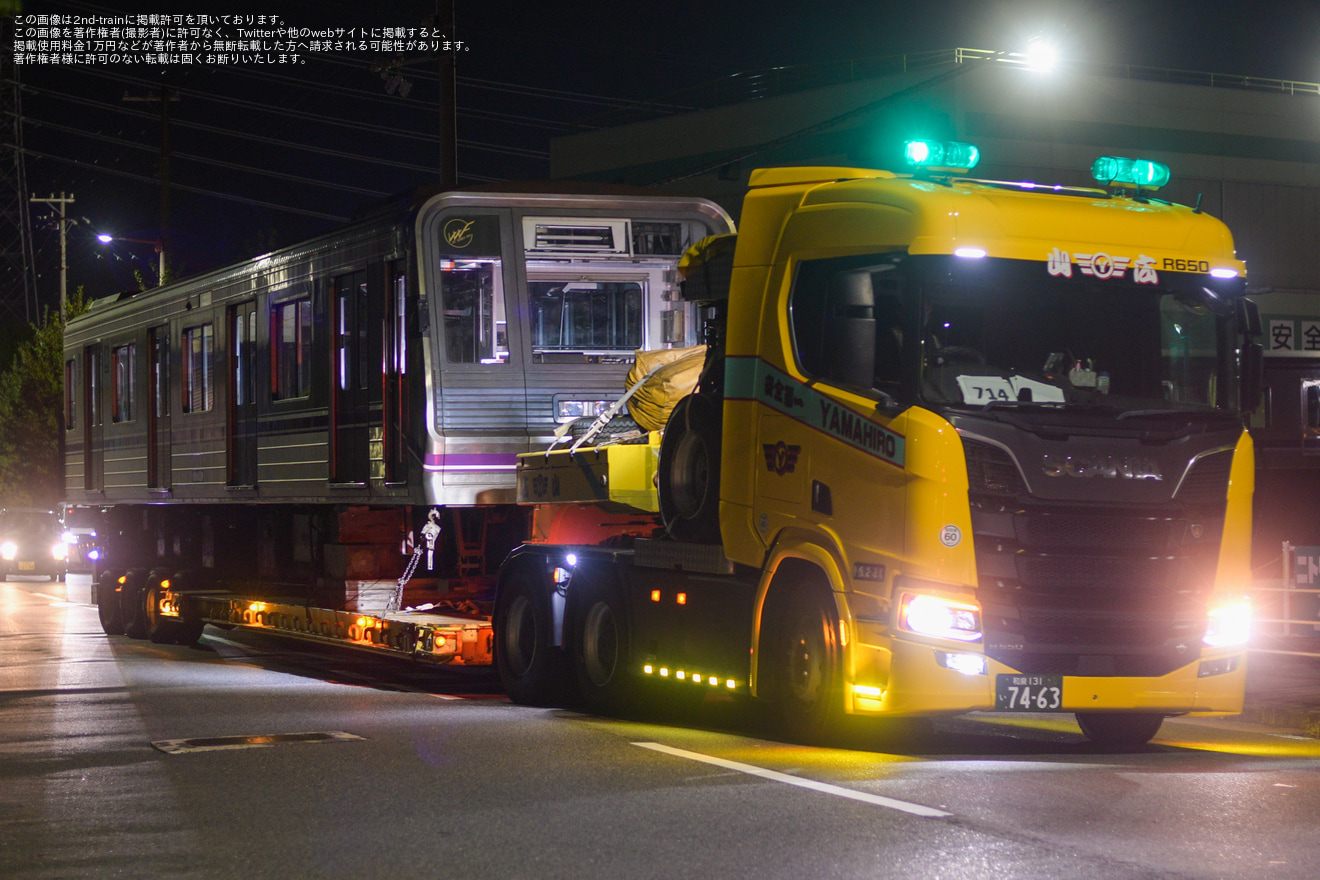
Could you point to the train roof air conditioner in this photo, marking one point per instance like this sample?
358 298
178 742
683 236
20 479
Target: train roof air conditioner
576 235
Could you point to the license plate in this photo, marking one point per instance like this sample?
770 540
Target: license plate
1029 693
27 566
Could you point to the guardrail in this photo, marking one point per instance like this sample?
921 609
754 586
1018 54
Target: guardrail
1287 609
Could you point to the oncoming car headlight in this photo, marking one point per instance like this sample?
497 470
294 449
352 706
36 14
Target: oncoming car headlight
59 550
941 618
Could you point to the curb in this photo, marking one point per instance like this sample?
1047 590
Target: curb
1297 718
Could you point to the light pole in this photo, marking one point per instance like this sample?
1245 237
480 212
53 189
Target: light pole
106 238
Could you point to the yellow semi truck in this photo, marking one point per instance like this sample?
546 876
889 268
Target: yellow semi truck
958 445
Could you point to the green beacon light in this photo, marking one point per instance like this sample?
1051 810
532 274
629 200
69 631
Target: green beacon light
1138 173
941 156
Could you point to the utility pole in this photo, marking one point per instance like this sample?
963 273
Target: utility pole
164 167
58 205
444 17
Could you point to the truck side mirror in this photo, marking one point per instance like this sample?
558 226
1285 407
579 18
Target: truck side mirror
1248 318
1252 364
850 330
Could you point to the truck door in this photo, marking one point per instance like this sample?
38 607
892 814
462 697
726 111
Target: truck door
242 470
158 408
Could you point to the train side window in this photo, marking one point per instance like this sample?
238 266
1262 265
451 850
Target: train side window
587 317
476 323
198 388
70 394
123 359
291 349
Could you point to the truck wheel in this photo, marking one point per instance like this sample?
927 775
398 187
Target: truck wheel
601 652
131 604
1119 731
689 472
806 666
160 630
530 668
107 604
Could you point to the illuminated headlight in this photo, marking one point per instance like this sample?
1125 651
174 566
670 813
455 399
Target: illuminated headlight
967 664
69 538
940 618
1228 625
9 550
60 550
568 410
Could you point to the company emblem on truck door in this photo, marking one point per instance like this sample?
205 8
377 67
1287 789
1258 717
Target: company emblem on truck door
780 457
1127 467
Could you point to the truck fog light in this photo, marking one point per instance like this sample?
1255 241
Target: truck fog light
967 664
941 618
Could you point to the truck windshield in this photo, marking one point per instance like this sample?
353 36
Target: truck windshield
1007 334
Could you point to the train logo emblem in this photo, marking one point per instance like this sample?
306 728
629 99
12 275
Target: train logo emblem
458 233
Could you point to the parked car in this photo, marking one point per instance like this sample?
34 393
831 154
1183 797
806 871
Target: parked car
32 543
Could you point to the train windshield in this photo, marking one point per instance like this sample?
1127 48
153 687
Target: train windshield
587 317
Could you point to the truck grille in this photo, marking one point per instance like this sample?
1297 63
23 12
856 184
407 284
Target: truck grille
1093 589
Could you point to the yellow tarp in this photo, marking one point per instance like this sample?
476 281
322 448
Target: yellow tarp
676 379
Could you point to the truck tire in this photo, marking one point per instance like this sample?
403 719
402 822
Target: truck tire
531 669
689 471
107 604
1122 731
806 667
602 651
131 604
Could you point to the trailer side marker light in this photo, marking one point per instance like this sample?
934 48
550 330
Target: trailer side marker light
165 584
648 669
682 598
257 606
123 579
696 677
867 690
655 595
731 684
664 672
714 682
680 675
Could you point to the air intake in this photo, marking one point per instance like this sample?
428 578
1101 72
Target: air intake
572 235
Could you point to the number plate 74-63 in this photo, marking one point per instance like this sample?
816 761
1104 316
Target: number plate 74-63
1029 693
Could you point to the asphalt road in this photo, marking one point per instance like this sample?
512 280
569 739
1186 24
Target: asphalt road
353 768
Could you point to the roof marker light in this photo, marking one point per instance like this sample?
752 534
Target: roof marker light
969 253
938 155
1224 273
1139 173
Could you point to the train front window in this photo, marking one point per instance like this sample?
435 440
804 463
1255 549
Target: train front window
475 317
586 318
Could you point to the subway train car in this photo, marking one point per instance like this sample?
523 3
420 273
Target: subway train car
296 424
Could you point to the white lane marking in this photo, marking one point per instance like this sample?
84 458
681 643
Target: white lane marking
776 776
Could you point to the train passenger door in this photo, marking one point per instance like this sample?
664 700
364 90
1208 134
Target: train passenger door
158 409
93 429
242 464
353 376
394 403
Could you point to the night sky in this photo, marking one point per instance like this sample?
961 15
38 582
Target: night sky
266 156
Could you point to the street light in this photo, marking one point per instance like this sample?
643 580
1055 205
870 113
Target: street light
106 238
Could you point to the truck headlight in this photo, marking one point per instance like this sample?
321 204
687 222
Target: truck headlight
940 618
8 550
1228 624
59 551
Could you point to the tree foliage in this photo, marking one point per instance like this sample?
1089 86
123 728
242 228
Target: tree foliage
31 415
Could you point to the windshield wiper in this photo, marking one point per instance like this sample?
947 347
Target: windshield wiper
1165 413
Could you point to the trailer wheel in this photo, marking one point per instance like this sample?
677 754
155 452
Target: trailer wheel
601 651
1119 731
160 630
689 471
131 604
806 666
107 604
531 669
